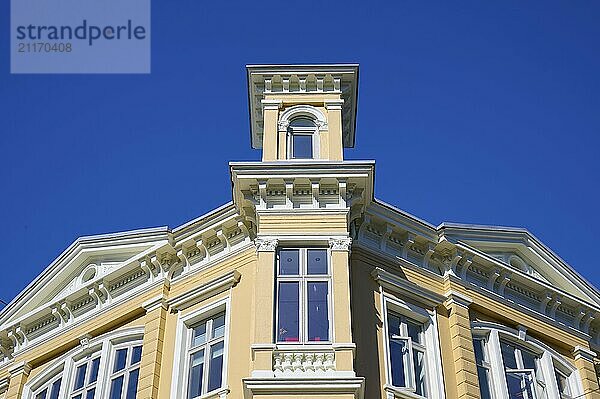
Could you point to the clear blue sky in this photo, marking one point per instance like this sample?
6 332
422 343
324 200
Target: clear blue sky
476 112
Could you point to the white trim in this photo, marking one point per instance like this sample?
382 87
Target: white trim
433 361
291 386
302 110
201 292
181 362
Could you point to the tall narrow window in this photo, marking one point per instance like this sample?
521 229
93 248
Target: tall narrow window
562 381
302 143
303 287
206 351
483 368
50 390
407 353
125 371
85 378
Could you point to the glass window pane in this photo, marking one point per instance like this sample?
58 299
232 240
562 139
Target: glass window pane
199 336
398 347
563 383
289 262
215 370
478 347
55 389
414 330
42 395
218 326
80 376
116 387
90 393
318 320
196 371
120 359
136 355
76 396
302 145
317 261
508 355
529 359
419 366
94 370
132 384
302 122
393 324
520 385
484 382
288 307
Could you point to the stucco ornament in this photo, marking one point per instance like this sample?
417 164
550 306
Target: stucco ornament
266 245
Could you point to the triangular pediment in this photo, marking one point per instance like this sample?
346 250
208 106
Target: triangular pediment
82 265
524 253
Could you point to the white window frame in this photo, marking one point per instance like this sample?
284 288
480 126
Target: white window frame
47 384
87 359
65 366
125 372
548 358
181 365
486 362
312 131
303 278
433 362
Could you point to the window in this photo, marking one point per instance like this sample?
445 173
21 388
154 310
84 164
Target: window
125 371
207 345
520 367
50 390
407 353
105 367
302 143
84 380
483 367
303 286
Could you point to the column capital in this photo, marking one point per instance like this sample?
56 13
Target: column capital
271 104
4 383
581 352
457 298
266 244
20 368
334 104
155 303
340 244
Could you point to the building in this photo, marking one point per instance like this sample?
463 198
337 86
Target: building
304 286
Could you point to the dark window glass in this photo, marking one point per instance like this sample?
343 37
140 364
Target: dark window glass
397 350
77 396
288 305
302 122
520 385
90 393
80 376
317 261
94 369
218 327
215 370
318 320
482 372
136 355
414 331
528 359
42 395
393 324
55 389
508 355
419 365
199 334
196 371
116 387
132 384
302 146
120 360
289 262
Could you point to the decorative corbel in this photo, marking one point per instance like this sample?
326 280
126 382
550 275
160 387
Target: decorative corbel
580 314
409 242
314 185
289 193
95 293
202 247
65 307
223 238
429 251
587 321
342 192
385 237
468 261
556 302
262 192
546 299
266 245
183 259
340 244
84 341
505 277
58 313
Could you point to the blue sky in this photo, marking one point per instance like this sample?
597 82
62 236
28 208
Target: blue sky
476 112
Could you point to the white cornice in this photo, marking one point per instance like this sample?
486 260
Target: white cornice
290 386
406 288
199 293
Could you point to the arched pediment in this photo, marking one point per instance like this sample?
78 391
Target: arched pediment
296 111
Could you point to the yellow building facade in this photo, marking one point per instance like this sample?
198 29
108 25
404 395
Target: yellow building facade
305 286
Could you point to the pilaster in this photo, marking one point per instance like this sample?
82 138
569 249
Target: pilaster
152 347
461 343
18 377
342 329
584 361
334 121
271 114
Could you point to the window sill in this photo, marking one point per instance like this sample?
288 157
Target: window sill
393 392
220 393
297 346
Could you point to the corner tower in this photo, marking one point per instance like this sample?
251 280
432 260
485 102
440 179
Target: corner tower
300 112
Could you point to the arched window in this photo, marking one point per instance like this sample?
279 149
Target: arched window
103 367
511 365
302 139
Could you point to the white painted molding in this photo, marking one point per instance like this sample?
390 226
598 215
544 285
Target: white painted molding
266 244
155 303
403 287
290 386
581 352
340 244
4 384
302 110
203 291
20 368
271 104
456 298
334 104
